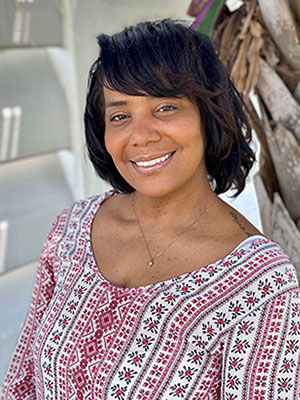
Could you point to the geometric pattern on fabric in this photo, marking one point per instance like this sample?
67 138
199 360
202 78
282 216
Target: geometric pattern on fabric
229 330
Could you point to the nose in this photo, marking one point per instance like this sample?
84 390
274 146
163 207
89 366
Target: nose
144 130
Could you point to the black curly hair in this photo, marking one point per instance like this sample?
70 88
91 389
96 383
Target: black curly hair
168 59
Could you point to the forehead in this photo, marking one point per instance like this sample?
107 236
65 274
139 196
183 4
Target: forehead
114 98
111 94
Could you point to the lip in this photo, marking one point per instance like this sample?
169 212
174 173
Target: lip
151 168
150 157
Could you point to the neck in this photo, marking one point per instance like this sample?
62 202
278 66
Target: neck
177 205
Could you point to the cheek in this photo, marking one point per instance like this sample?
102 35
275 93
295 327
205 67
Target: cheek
195 139
107 142
110 144
116 147
201 136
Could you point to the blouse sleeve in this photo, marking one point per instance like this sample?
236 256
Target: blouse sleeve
262 352
19 382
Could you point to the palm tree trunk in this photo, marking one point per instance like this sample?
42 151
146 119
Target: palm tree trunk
260 45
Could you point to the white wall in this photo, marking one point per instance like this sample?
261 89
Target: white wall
69 57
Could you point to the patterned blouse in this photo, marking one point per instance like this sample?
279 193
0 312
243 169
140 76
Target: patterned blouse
229 330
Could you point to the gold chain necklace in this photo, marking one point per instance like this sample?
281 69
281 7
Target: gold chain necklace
152 258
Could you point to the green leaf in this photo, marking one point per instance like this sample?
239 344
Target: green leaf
206 26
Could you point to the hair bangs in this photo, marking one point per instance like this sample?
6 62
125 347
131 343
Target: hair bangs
144 63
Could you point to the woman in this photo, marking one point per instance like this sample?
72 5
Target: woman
158 289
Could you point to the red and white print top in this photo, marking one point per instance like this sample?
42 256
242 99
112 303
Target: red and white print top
229 330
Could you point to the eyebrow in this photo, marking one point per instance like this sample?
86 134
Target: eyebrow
125 102
116 103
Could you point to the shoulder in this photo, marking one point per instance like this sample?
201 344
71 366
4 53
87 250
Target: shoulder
253 276
76 216
260 271
71 229
258 257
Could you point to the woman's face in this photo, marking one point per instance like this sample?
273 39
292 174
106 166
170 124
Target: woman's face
157 144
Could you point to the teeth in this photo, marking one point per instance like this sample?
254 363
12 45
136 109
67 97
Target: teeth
153 162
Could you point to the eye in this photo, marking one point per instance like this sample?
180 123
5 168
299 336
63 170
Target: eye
118 117
167 108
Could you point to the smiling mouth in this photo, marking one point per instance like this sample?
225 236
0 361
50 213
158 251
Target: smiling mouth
155 161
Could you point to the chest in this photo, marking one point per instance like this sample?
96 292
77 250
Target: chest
123 258
122 249
96 338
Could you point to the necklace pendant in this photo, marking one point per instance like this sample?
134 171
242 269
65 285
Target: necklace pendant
151 262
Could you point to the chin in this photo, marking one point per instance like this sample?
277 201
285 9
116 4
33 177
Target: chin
158 190
152 190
